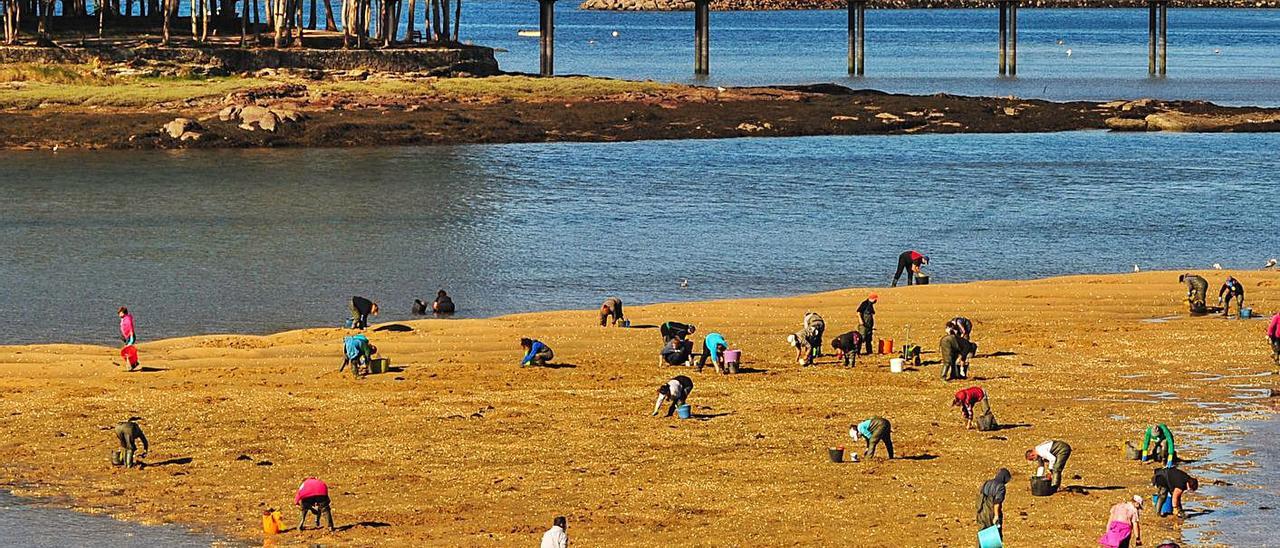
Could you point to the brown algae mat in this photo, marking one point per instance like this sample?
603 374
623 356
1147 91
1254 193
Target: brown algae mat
460 446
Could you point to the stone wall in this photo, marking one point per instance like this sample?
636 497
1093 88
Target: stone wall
473 60
748 5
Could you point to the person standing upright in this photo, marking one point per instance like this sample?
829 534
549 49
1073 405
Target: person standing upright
127 334
909 262
867 314
991 501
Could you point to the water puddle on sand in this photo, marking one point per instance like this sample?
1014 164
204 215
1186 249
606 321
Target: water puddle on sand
1161 319
1139 396
1250 393
1247 472
1212 377
30 524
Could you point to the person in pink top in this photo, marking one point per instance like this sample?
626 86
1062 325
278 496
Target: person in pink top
313 497
1273 333
126 327
1123 529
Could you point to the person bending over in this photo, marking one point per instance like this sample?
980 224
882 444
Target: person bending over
909 262
1123 527
874 430
677 390
556 536
846 347
1175 482
1053 455
1231 289
955 357
713 347
357 352
128 433
611 311
361 309
968 399
313 497
1157 445
1197 290
535 353
960 327
676 330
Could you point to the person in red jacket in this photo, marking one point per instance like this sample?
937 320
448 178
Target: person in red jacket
969 398
1273 333
313 497
909 262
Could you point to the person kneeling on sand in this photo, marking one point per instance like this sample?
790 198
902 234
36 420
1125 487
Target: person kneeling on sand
1052 455
968 399
128 433
846 347
991 501
611 311
357 352
955 357
1197 290
677 352
874 430
713 347
677 390
1175 482
536 353
556 537
1123 525
313 497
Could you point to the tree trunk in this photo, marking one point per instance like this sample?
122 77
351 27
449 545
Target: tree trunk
408 29
168 15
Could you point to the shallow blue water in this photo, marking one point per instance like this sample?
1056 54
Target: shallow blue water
261 240
24 524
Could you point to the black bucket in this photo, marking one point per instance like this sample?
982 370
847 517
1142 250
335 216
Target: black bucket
1041 487
836 454
922 279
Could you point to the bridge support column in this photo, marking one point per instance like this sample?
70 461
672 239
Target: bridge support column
857 37
547 37
1008 59
1157 38
701 37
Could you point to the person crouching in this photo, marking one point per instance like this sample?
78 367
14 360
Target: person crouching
677 390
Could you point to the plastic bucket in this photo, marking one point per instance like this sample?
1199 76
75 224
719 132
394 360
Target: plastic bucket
990 538
836 454
684 411
889 344
1041 487
378 366
895 365
922 279
349 323
1246 313
731 356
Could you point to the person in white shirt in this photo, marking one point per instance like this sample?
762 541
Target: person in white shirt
1053 455
555 537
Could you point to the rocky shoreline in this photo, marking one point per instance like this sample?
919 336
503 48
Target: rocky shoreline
764 5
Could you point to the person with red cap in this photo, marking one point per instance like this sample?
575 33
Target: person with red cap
909 262
313 497
867 314
969 398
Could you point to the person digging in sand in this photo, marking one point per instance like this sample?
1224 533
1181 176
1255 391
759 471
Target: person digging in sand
313 497
1053 455
846 347
677 390
536 353
1172 482
611 311
874 430
128 433
968 399
357 352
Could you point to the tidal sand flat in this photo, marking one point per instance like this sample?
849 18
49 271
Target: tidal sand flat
460 446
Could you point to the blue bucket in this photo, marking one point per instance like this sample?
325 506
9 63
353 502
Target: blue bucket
990 538
1168 503
1246 313
684 411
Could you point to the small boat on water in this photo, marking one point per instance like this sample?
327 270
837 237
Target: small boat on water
529 33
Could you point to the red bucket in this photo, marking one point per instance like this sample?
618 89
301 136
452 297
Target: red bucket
130 355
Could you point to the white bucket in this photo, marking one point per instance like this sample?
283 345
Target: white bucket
895 365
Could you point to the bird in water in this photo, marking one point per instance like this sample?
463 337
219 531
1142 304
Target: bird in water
1068 52
684 283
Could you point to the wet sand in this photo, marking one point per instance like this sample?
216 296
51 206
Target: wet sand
462 447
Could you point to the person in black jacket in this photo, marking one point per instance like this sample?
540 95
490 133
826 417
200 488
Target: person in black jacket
675 330
1231 289
361 309
1175 482
443 303
867 314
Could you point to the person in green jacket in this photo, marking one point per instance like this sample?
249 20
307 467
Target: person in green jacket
1158 441
875 430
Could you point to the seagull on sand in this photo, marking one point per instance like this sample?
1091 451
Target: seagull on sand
1217 266
1136 269
1270 264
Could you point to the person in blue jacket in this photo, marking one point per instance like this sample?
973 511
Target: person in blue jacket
358 352
713 347
536 353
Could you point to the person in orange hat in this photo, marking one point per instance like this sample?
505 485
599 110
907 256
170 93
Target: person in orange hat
867 313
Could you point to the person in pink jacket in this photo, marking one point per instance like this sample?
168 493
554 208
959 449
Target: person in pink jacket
313 497
126 327
1273 333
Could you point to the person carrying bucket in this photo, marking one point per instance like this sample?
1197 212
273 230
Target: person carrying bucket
313 497
128 434
676 330
968 399
611 311
1231 289
713 347
991 503
955 357
361 309
677 390
535 353
867 315
1172 482
1052 455
1197 292
357 352
1157 444
1123 527
874 430
846 347
909 262
1273 335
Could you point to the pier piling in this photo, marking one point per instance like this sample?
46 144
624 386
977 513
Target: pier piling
857 37
1157 33
702 37
547 36
1008 59
1164 38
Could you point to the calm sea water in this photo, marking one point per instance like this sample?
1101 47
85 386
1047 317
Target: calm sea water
26 525
262 240
1228 56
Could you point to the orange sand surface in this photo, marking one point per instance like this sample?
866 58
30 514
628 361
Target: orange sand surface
463 447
